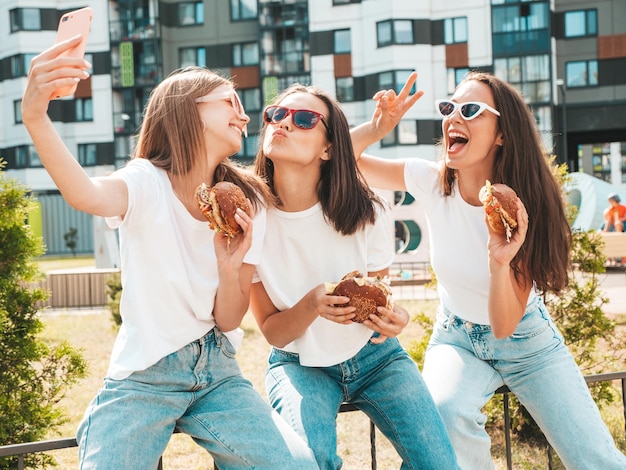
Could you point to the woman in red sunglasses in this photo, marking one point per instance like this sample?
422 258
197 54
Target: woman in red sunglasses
327 223
492 326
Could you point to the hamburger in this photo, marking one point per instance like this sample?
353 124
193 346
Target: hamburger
219 203
365 293
500 204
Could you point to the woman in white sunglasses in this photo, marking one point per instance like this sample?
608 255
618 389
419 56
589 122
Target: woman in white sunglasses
492 327
185 288
328 223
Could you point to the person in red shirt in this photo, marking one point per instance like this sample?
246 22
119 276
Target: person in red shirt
614 215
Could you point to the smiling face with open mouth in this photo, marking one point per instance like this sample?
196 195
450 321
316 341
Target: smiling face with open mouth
471 135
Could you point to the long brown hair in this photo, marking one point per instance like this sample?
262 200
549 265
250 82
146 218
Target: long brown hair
171 135
524 165
346 200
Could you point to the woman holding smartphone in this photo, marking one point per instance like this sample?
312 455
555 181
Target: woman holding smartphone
185 288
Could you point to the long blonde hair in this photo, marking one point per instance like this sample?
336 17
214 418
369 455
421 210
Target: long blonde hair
171 135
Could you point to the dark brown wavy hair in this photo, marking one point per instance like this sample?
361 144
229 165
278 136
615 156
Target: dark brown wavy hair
171 135
523 164
346 200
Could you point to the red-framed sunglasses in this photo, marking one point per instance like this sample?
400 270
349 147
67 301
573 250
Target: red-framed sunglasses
302 118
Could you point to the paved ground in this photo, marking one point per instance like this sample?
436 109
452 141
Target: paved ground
613 284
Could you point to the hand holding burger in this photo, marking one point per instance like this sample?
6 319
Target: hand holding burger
219 203
365 293
500 204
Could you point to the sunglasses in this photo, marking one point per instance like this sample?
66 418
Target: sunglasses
232 95
469 110
302 118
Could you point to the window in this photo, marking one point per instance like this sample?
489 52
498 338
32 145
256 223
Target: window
87 154
394 32
394 79
250 147
455 30
250 98
25 19
344 89
190 13
345 2
17 111
529 74
26 156
581 23
342 41
20 64
455 76
405 133
246 54
525 17
581 74
84 109
508 69
243 10
193 56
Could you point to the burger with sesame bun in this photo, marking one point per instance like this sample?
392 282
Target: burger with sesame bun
219 203
500 204
365 293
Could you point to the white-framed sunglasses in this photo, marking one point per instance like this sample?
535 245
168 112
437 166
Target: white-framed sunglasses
235 102
469 110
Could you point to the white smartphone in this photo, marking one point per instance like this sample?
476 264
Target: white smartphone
73 23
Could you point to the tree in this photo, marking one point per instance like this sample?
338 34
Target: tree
33 376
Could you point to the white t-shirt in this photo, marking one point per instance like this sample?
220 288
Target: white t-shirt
458 243
300 251
168 268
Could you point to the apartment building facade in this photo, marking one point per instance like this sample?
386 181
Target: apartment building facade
568 58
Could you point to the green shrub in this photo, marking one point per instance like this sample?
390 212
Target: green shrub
33 376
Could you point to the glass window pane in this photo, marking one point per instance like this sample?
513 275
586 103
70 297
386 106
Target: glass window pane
250 54
460 30
384 33
403 30
186 13
576 73
251 98
34 157
248 9
593 72
235 12
592 22
200 13
17 111
574 23
389 139
385 80
342 40
31 19
448 33
344 89
407 132
536 68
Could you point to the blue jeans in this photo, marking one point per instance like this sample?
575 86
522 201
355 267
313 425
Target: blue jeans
382 381
200 391
465 364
